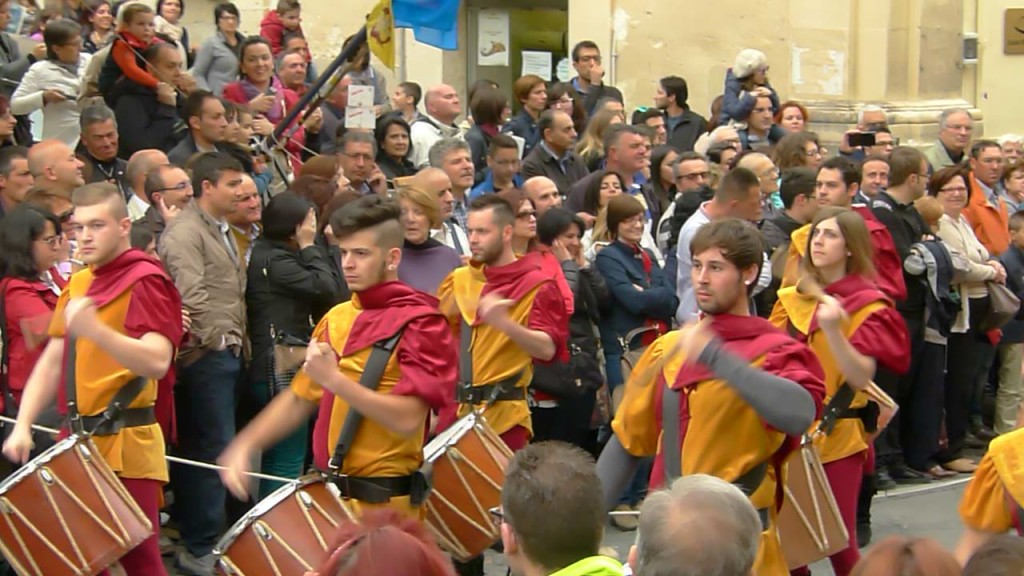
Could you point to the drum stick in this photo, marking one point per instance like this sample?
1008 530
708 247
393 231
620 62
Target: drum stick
174 459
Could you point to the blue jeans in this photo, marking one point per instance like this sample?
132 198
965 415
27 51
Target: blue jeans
205 404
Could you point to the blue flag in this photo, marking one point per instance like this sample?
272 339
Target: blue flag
433 22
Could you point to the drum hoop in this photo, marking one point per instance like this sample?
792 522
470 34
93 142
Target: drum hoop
263 506
436 447
46 457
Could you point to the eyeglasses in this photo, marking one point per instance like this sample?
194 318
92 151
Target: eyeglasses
51 241
960 189
497 515
178 187
526 215
812 153
695 176
596 59
363 157
65 217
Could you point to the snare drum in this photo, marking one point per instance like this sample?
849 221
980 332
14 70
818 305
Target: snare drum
65 512
287 533
810 525
468 462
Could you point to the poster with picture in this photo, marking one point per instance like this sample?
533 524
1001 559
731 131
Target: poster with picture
492 38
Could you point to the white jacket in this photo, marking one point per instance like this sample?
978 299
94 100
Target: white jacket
60 119
425 132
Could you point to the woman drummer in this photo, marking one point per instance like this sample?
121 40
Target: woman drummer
852 327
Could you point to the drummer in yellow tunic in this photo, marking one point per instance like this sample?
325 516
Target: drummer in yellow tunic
387 449
992 502
124 315
516 315
854 330
746 390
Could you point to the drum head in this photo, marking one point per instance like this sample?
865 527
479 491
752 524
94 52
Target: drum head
264 506
437 446
39 461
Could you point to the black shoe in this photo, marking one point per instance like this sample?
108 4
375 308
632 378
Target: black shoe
863 534
984 433
906 475
884 481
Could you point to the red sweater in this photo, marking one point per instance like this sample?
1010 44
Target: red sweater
124 50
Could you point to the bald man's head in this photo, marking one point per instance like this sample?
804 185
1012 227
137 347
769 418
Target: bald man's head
141 164
544 193
432 180
442 102
765 170
55 167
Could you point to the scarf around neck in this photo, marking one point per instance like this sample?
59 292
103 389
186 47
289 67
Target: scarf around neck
276 111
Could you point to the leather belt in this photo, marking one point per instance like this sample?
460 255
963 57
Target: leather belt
127 418
867 414
378 490
502 391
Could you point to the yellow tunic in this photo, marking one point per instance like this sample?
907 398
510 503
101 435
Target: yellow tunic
990 500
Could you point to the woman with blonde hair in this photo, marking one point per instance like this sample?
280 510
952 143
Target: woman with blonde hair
853 329
591 144
425 261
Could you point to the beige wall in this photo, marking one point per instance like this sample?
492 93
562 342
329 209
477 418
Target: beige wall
833 55
999 75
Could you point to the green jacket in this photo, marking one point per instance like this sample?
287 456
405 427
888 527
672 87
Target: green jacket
593 566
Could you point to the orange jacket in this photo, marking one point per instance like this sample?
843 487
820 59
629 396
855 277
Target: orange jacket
991 223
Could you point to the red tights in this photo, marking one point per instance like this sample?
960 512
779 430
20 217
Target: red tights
144 559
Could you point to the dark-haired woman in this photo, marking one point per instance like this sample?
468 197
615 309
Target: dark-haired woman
662 179
394 146
488 107
259 91
839 258
216 62
54 84
287 275
100 30
968 338
30 241
561 232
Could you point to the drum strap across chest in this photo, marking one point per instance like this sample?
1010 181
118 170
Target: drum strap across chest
838 408
467 392
372 490
671 450
116 416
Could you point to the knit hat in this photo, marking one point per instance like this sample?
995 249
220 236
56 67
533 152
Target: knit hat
747 61
619 208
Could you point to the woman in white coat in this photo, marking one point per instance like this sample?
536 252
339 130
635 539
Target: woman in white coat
54 84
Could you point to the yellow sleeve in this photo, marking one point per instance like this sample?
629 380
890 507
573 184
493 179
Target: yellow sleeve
984 505
302 385
448 306
636 423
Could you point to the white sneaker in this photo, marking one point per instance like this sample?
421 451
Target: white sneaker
189 565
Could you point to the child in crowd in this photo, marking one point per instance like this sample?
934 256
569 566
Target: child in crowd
48 14
136 32
930 210
281 24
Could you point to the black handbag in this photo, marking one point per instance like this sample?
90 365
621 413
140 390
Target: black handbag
579 375
287 354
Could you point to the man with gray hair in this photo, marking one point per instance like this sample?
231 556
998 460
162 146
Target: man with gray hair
357 152
870 118
453 156
955 128
701 526
1013 147
98 148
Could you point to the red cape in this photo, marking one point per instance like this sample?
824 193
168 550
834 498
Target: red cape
853 292
516 280
888 264
749 337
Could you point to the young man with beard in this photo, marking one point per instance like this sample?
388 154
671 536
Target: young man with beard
509 314
123 314
727 396
387 448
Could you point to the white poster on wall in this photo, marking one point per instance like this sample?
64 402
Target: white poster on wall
537 63
492 37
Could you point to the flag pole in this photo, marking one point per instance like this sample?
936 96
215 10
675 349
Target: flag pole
314 90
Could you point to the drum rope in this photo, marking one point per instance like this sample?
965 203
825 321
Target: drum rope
175 459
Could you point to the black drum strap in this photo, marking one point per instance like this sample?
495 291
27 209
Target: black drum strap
380 355
671 447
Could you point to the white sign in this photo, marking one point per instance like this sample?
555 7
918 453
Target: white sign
538 63
360 96
492 38
360 118
563 70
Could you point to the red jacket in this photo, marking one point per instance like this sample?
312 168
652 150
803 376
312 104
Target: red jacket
274 31
28 304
